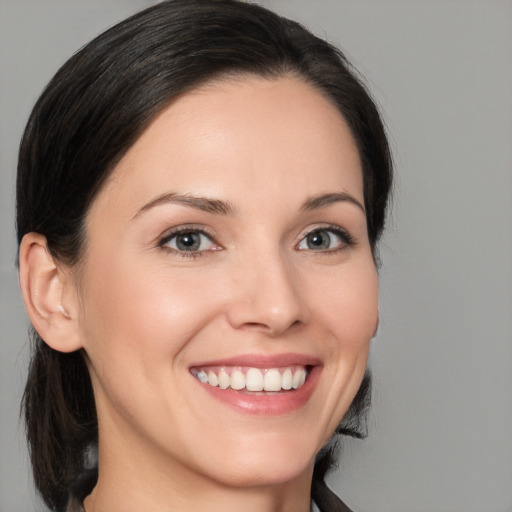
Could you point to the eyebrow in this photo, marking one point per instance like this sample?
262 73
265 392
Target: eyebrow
327 199
220 207
204 204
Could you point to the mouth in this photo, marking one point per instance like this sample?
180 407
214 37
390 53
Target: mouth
253 380
258 384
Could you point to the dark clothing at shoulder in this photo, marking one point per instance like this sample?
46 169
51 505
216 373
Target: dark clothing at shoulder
326 500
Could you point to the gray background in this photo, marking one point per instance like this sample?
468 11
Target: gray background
441 426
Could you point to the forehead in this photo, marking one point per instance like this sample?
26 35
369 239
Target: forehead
241 136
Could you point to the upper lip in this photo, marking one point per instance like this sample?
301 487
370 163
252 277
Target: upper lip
263 361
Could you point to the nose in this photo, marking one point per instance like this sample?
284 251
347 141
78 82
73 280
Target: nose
267 296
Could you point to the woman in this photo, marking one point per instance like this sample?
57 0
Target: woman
200 194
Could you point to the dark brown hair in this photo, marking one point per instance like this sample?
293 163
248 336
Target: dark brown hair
91 112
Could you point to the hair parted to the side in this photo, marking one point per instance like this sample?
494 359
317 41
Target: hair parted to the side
92 112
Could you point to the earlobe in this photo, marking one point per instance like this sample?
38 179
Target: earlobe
43 285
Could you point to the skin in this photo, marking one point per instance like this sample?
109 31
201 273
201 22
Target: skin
144 312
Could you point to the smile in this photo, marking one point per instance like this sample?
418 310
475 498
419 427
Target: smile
260 384
252 379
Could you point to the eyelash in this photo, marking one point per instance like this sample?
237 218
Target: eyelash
345 237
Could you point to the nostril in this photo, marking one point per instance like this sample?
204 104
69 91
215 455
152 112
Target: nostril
270 329
256 326
262 326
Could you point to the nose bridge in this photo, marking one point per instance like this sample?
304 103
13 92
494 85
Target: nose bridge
267 293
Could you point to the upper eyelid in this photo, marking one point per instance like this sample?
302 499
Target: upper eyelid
325 227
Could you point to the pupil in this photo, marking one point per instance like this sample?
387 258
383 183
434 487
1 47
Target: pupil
318 240
188 242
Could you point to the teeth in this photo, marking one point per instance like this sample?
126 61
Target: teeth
272 380
237 380
254 379
213 380
224 379
287 379
297 376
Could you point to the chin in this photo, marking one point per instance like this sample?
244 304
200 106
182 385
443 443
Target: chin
269 475
267 465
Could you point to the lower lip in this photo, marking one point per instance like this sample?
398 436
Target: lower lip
270 404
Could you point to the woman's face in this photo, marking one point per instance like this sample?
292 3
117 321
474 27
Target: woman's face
229 248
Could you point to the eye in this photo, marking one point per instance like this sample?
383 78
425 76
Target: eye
325 239
189 240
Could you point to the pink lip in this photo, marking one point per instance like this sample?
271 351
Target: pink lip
262 361
265 404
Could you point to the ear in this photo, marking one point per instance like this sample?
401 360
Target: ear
49 295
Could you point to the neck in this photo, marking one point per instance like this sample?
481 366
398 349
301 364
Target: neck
134 493
279 499
136 479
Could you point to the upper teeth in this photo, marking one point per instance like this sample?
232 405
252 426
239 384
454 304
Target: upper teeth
254 379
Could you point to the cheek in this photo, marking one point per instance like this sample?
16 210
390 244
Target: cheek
348 305
137 321
140 313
